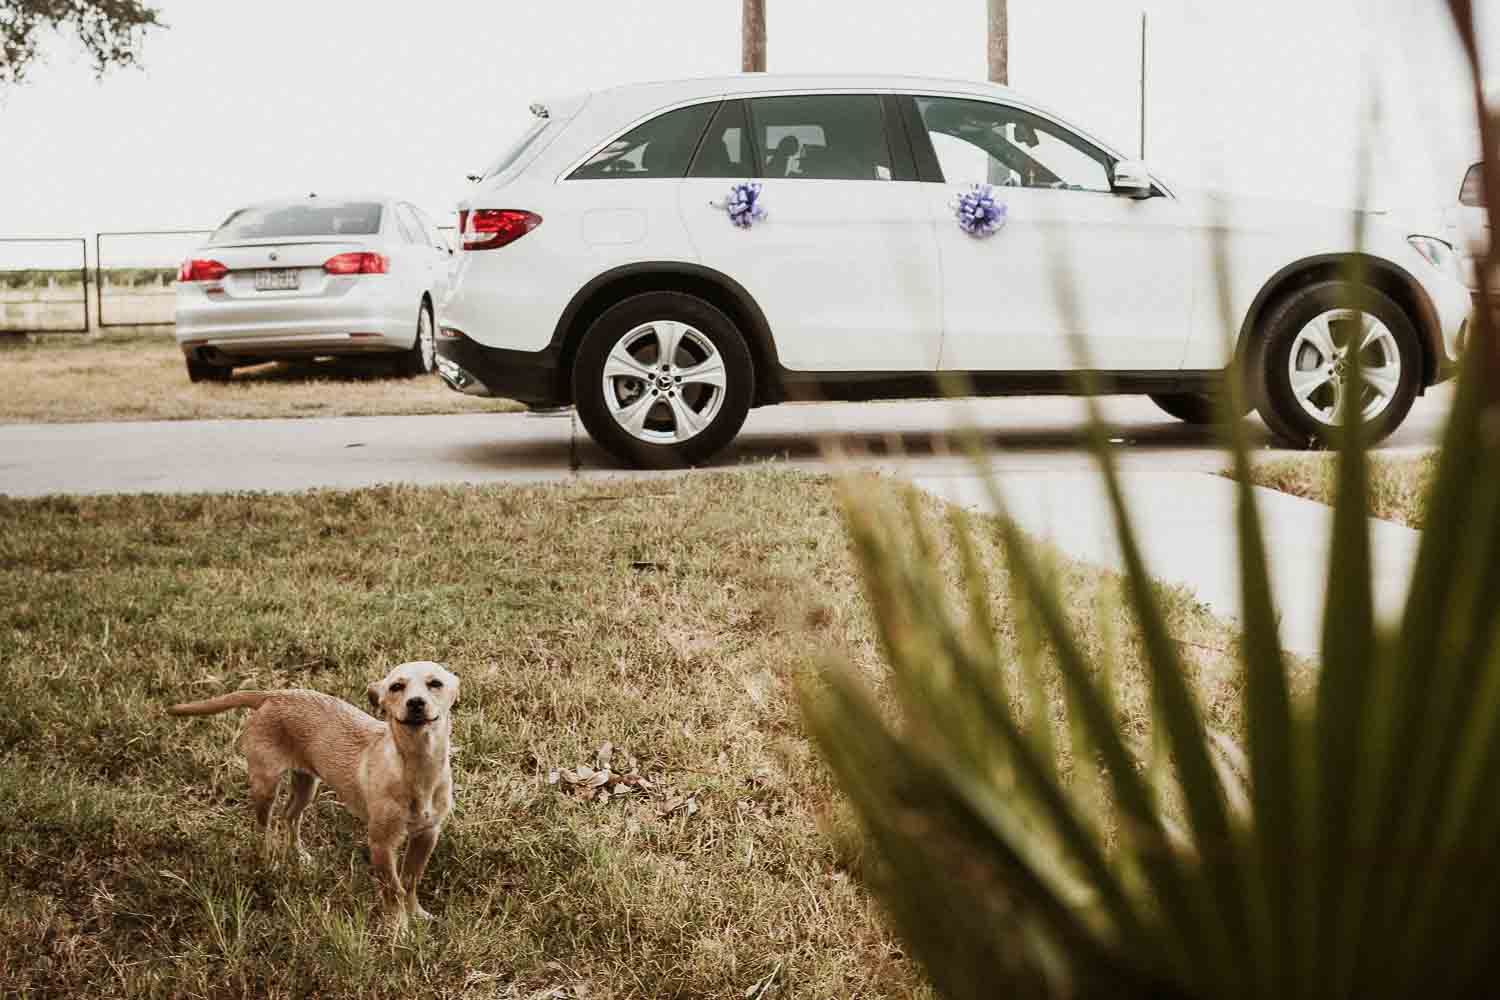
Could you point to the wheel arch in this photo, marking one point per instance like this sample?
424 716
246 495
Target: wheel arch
1387 277
715 287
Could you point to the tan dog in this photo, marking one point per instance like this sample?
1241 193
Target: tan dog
394 775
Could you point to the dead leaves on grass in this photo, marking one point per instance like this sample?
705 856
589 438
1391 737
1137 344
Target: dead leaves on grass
601 781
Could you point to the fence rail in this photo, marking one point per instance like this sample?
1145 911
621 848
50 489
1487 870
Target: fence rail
131 288
30 306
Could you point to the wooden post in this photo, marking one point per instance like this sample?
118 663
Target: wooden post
753 37
999 52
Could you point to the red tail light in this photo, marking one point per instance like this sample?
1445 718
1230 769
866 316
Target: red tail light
488 228
201 270
357 263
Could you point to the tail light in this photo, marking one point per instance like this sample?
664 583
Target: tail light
488 228
357 263
201 270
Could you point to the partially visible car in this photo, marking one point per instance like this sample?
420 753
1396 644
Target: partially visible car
309 277
1468 226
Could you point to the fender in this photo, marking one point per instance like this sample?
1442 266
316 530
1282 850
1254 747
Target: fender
1385 275
618 283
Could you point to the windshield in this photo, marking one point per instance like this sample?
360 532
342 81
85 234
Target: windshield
311 218
514 151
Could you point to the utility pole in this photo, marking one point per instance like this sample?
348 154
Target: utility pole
998 49
753 37
1143 84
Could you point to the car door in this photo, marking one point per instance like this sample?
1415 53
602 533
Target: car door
844 263
441 255
1075 266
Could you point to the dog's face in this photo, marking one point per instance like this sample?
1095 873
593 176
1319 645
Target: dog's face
415 694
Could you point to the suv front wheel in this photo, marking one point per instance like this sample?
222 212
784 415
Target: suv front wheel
663 380
1302 367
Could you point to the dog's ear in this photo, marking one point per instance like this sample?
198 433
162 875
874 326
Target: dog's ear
455 689
373 693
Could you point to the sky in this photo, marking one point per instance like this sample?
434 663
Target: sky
237 102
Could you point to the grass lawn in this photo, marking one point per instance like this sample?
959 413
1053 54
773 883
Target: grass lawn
1398 486
63 379
668 617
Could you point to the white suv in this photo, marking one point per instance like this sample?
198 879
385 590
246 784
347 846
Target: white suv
901 230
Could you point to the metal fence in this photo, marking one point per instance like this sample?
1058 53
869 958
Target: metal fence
136 274
44 284
45 281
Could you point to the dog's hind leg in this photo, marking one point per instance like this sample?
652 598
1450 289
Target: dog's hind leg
263 781
304 787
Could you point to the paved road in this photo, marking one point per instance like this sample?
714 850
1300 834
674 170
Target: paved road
1027 435
1182 510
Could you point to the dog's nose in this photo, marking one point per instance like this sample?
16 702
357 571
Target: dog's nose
416 705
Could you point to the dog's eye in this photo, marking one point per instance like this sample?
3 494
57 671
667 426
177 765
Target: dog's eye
434 683
398 687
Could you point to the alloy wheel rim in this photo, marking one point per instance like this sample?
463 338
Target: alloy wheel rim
1318 367
664 382
428 341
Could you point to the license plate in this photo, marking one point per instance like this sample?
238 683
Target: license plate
279 279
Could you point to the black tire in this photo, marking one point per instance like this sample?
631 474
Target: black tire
418 358
1189 407
708 322
1270 355
202 371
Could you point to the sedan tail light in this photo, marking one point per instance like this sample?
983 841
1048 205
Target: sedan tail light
357 263
201 270
488 228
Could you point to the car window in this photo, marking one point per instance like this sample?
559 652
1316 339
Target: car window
410 230
514 150
1472 192
822 137
661 147
982 142
309 218
725 149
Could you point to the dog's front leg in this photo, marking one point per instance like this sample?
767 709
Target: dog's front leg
383 845
418 850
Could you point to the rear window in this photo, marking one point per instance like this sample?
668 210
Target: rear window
311 218
1472 193
513 152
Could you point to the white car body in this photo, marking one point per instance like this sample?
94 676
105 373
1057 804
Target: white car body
1467 226
864 288
233 319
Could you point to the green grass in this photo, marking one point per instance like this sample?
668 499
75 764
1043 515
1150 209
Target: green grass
1398 487
670 617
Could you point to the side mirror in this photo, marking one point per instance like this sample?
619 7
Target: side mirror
1132 179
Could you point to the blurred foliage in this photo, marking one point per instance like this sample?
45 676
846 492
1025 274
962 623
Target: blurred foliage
110 31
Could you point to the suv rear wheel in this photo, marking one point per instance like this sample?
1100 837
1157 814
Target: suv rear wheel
663 380
1301 370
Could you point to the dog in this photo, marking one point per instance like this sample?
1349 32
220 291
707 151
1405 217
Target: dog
395 776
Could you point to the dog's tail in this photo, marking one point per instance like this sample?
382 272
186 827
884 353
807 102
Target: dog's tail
223 703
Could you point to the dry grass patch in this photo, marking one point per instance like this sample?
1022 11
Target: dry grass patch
1398 486
668 617
61 379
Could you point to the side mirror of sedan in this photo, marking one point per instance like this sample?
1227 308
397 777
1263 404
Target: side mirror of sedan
1132 179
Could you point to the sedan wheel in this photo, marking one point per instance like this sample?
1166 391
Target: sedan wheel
663 380
420 358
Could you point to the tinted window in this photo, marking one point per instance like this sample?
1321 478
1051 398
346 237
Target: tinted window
309 218
977 141
1472 193
660 147
822 137
725 150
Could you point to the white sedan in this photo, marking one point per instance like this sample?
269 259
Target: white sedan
313 277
